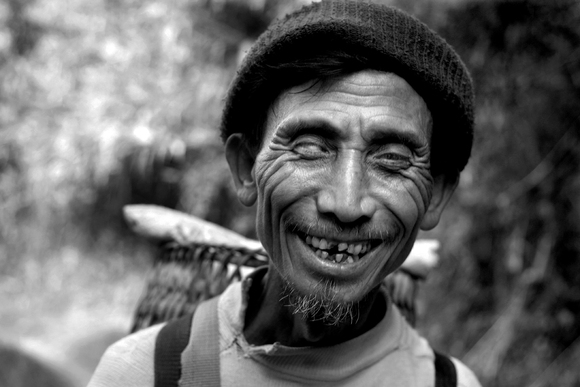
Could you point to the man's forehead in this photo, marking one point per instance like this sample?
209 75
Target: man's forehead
367 89
373 81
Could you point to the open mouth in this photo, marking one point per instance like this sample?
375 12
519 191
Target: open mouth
339 251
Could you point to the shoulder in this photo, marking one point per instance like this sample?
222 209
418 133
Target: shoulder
129 361
423 351
465 377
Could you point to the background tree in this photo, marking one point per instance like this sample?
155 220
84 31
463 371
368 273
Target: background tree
520 196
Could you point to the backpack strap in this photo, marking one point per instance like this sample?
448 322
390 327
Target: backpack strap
445 372
202 352
192 339
174 345
170 342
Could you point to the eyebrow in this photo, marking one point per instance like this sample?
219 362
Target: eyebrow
410 139
378 136
297 127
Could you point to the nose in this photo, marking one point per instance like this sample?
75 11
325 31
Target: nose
345 194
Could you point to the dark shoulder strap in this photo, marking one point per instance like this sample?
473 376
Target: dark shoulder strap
171 341
174 347
202 352
445 373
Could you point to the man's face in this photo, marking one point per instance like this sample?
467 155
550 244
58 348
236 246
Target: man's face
342 182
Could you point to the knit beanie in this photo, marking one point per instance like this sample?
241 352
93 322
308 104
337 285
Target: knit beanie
390 39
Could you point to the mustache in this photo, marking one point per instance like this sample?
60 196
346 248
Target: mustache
326 226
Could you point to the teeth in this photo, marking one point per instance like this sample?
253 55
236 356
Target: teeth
315 242
322 247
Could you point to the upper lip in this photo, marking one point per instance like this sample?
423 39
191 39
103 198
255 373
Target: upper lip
337 238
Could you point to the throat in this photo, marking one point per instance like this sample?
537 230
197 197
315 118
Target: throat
309 331
270 318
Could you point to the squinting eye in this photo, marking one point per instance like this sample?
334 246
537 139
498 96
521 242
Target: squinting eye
394 157
311 149
393 161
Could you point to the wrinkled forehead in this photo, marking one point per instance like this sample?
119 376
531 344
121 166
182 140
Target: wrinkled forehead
348 96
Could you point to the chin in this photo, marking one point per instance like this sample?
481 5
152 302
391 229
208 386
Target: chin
323 302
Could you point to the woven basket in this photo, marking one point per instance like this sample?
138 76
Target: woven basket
184 275
197 260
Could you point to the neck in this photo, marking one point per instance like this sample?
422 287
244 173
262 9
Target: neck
270 318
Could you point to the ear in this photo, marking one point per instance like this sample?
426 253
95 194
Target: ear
241 162
443 187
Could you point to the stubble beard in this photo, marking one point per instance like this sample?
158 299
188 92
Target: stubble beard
321 305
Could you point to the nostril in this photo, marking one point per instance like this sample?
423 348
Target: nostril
345 212
325 202
342 224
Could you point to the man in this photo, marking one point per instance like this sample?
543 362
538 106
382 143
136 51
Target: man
347 125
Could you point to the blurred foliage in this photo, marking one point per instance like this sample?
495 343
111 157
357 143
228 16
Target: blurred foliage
105 103
519 233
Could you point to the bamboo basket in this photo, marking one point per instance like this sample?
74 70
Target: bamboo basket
197 260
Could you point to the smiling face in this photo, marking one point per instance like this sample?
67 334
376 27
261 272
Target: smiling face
342 182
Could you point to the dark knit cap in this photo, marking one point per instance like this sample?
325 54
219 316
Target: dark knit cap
390 39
